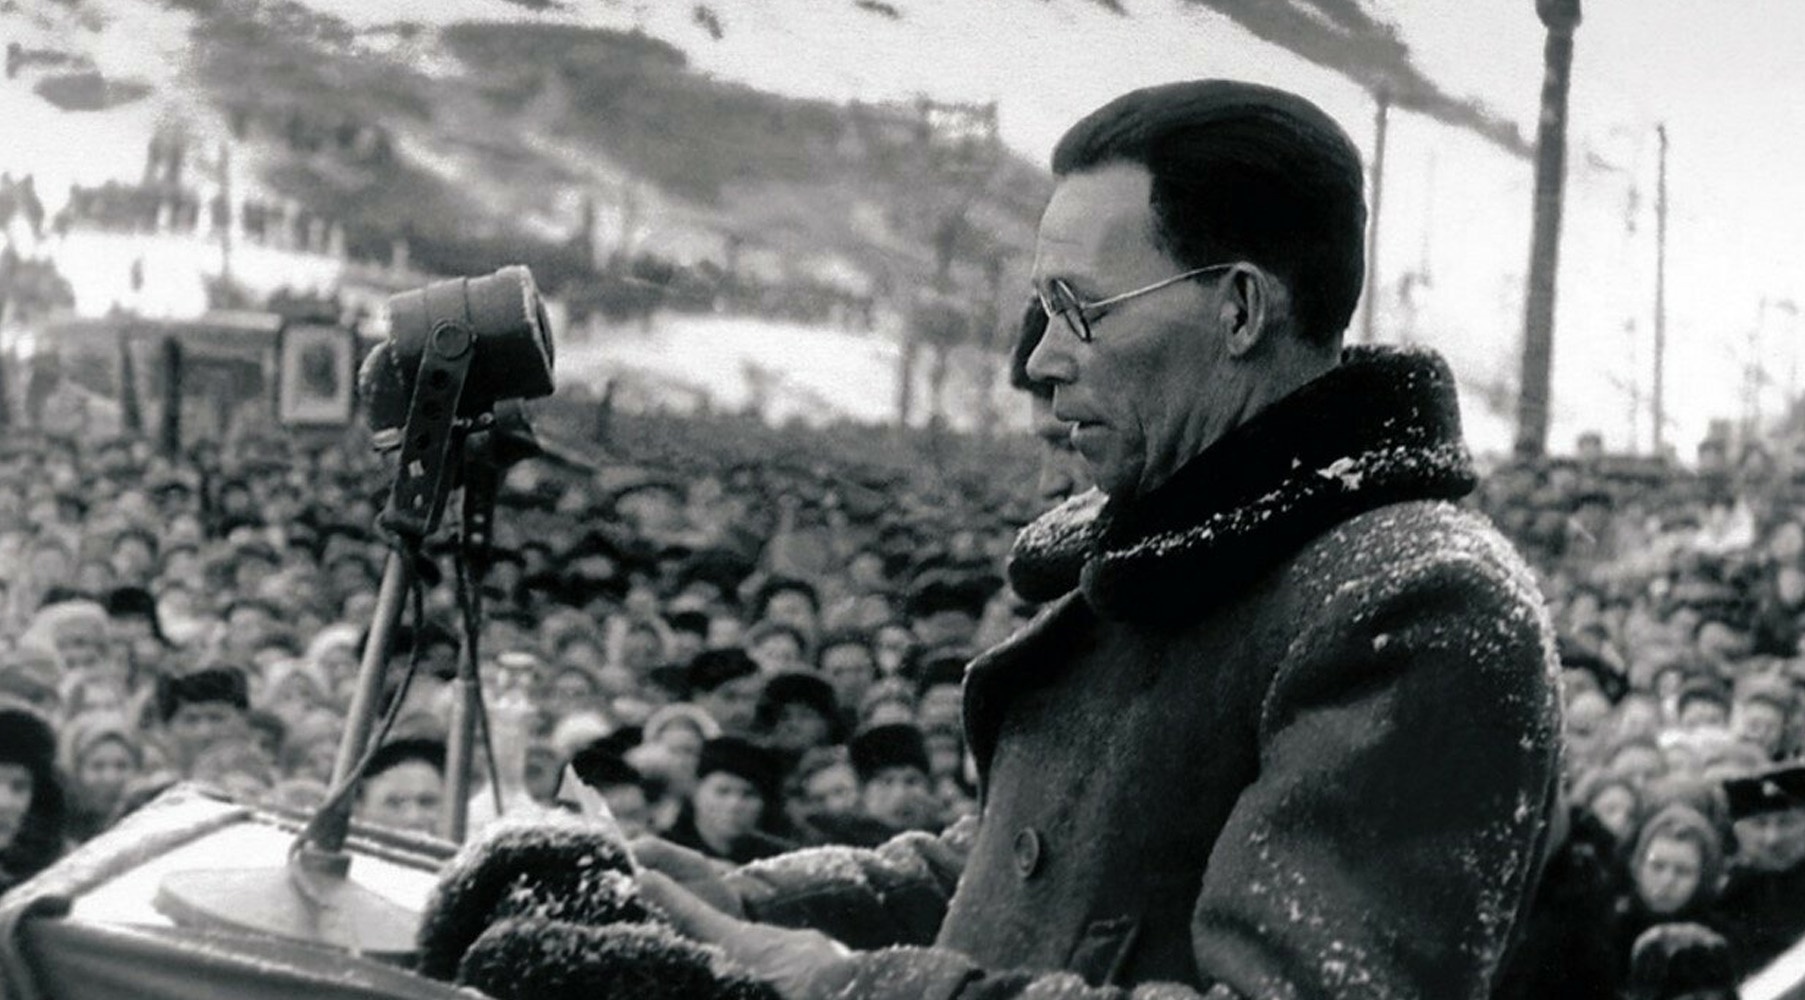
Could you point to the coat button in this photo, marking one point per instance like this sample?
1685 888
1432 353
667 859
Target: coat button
1028 850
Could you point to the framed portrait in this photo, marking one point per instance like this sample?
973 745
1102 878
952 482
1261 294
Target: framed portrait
316 378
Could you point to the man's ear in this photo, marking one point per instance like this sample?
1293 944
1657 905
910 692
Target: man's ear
1250 304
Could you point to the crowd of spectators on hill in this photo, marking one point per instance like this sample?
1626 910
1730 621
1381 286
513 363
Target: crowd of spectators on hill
748 638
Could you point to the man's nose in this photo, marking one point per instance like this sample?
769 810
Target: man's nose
1051 359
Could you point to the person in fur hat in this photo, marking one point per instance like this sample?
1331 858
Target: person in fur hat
1681 961
32 809
1287 723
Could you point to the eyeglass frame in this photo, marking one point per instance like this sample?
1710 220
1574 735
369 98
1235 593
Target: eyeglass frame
1081 326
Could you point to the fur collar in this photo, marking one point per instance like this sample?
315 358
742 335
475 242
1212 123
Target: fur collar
1383 427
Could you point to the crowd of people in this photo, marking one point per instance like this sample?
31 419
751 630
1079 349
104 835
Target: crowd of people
742 657
1678 599
745 640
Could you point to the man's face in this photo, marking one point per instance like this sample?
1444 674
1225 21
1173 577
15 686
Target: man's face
1772 842
832 789
197 725
733 704
942 704
405 797
899 796
798 728
1703 713
778 653
727 807
1149 391
850 668
132 560
792 608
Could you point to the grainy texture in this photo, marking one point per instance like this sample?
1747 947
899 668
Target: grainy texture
1290 731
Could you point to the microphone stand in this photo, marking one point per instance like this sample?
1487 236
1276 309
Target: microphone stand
506 440
482 481
311 898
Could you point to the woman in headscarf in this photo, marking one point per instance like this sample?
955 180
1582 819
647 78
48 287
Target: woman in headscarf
101 755
333 653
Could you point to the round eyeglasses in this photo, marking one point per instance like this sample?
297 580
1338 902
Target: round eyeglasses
1060 300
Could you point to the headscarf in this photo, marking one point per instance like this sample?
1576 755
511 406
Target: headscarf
88 730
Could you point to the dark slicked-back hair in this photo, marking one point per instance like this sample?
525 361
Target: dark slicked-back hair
1242 171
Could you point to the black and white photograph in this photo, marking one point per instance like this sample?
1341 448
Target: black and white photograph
902 500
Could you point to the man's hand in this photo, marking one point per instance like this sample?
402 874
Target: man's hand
802 965
696 872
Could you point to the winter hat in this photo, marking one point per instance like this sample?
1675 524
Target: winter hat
36 664
576 731
944 666
600 766
883 747
26 690
721 568
225 684
887 691
796 687
743 759
55 624
89 730
1675 960
1777 789
941 590
679 713
1775 691
27 740
135 602
332 637
397 752
712 668
1702 689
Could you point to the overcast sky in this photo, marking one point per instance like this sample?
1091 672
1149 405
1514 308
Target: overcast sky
1725 82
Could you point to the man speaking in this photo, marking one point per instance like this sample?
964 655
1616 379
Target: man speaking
1286 727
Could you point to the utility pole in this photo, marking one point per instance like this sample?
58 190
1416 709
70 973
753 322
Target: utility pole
225 230
1560 17
1661 295
1372 219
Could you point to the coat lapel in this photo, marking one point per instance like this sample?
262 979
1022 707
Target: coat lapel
1017 664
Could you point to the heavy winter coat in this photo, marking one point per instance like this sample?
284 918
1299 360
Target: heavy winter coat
1289 732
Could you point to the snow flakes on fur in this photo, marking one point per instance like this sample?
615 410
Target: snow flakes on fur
545 866
536 959
1380 429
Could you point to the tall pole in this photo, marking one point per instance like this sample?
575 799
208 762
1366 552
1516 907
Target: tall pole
1560 17
1372 220
1661 295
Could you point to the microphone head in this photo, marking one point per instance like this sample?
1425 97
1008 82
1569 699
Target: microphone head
550 865
521 958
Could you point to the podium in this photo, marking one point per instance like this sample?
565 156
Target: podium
101 924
